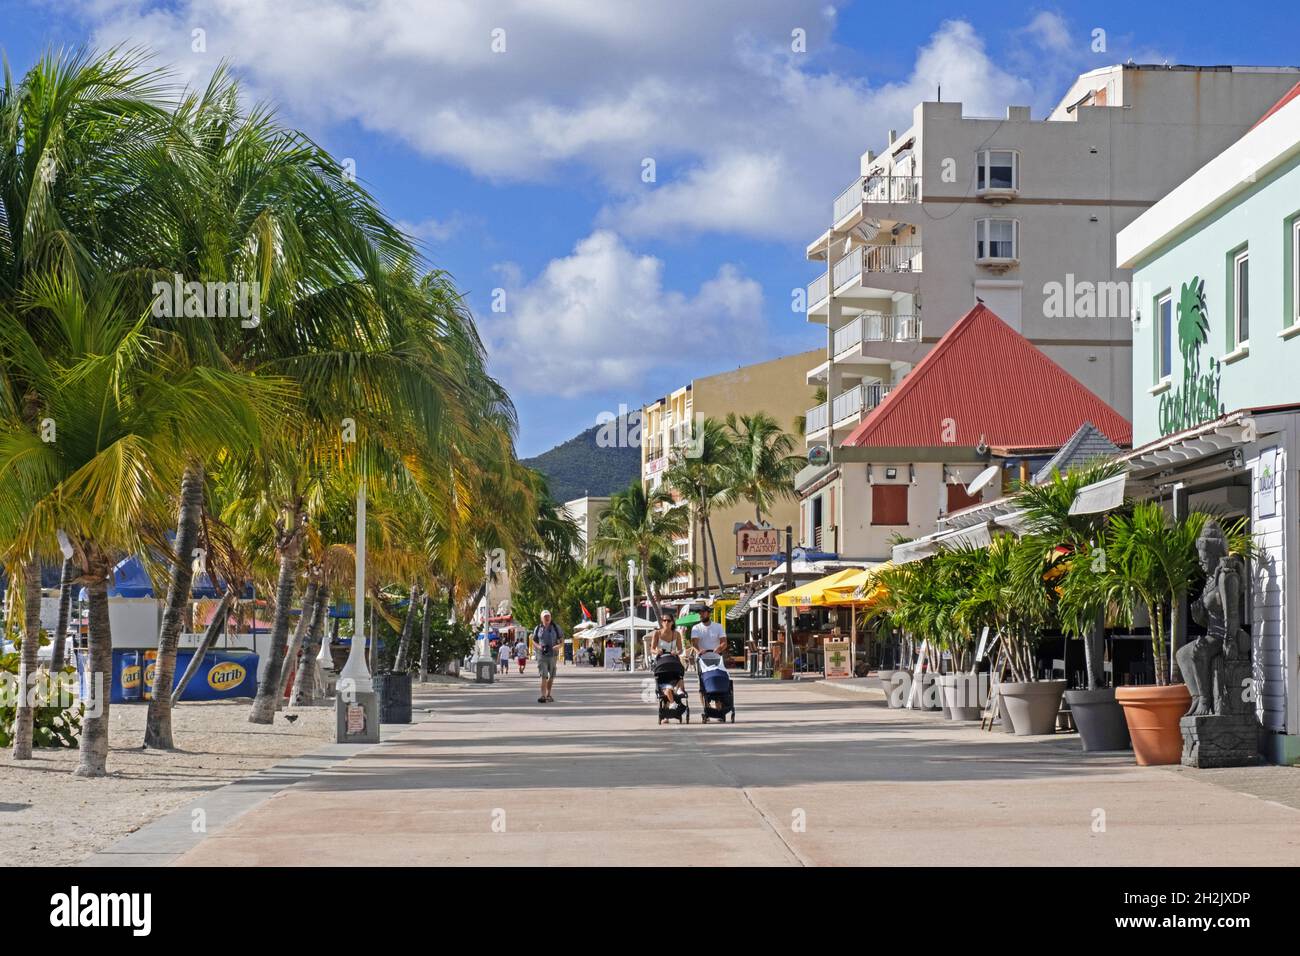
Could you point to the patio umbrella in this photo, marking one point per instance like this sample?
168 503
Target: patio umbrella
814 592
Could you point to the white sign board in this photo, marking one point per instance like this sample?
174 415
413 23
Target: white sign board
1268 478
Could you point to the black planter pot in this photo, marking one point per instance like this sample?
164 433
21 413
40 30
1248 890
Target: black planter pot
394 691
1100 719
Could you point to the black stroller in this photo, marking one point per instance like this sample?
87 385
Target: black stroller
668 671
717 699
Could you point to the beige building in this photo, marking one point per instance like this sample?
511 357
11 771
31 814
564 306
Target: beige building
777 387
1018 213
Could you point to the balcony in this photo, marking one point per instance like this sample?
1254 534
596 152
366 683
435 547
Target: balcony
818 290
875 327
846 409
865 273
892 189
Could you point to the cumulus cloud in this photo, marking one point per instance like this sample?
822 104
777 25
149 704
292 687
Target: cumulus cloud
600 319
750 137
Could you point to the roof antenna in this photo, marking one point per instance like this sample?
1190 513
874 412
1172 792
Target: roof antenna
979 300
938 92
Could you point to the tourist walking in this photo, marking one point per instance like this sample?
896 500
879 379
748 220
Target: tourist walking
666 654
708 635
547 638
503 652
521 653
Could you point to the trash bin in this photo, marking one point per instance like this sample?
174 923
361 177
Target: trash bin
394 691
485 670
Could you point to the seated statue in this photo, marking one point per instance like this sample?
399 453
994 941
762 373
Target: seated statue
1216 664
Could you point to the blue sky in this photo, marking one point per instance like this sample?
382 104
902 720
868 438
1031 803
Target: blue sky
524 168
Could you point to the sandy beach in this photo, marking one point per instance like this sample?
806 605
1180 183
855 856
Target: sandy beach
50 817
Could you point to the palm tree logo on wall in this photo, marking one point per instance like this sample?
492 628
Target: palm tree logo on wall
1197 399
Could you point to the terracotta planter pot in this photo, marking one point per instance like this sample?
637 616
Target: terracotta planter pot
960 696
1152 714
1100 719
1033 705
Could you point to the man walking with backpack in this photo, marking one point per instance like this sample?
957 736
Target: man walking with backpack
547 638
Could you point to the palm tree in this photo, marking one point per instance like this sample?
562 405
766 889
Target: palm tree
1060 536
641 524
704 480
764 465
1151 559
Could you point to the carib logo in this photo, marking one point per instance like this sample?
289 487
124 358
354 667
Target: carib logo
131 676
225 676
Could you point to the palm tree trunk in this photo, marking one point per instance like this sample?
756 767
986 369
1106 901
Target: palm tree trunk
158 721
295 645
25 713
304 683
70 572
289 545
209 636
713 546
703 551
424 638
402 663
99 676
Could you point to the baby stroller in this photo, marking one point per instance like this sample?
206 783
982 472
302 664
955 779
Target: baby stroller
717 699
668 671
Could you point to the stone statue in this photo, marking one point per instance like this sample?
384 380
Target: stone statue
1220 729
1215 664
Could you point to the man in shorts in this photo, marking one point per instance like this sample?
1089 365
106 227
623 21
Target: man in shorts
547 638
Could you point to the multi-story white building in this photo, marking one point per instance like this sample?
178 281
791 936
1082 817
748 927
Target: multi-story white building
1019 213
586 512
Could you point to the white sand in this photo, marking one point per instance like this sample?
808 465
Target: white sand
50 817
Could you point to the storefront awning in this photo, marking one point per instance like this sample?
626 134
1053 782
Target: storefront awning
1100 496
749 600
856 588
813 593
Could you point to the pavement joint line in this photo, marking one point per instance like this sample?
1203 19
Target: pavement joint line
158 837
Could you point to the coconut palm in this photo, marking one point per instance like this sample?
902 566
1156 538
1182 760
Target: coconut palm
640 524
702 474
763 462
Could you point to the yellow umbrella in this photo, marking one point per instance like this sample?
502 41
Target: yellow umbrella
857 588
814 592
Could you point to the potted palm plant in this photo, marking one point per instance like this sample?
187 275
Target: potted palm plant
958 570
1028 610
1151 561
1081 596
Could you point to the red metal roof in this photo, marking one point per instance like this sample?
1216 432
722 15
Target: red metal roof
1286 98
984 382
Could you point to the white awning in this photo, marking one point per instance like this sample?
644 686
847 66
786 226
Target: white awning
976 536
1100 496
910 551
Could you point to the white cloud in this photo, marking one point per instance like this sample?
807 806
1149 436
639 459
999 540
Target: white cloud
749 137
600 319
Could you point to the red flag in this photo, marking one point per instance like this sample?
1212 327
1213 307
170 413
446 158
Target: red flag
586 615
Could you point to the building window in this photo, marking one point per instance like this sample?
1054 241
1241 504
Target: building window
1165 335
1295 271
997 170
889 504
817 522
1241 298
997 239
958 499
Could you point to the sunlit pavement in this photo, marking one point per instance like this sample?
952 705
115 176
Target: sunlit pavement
805 776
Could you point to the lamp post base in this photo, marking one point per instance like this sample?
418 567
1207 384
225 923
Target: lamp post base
357 717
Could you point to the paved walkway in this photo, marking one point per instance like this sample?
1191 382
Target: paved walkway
808 775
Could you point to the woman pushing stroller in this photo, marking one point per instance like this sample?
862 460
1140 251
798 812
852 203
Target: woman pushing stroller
670 675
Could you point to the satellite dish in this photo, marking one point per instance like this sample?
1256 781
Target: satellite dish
982 480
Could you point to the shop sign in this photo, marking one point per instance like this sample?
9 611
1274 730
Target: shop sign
754 541
819 455
1196 400
836 657
1266 480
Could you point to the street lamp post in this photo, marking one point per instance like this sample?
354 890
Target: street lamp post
631 612
355 705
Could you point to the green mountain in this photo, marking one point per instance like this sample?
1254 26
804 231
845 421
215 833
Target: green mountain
580 466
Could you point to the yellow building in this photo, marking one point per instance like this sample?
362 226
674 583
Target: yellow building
778 387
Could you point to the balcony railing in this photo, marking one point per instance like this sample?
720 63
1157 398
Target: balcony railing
846 404
816 419
819 288
892 328
887 188
892 259
847 268
848 200
875 327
